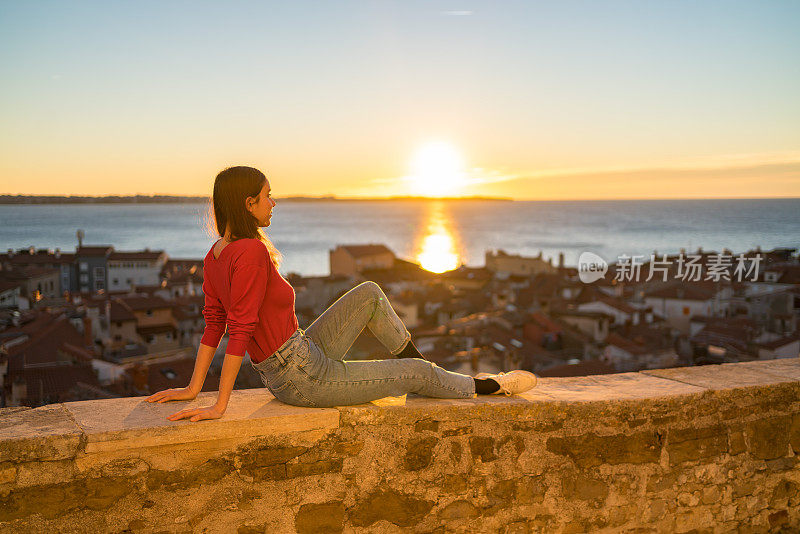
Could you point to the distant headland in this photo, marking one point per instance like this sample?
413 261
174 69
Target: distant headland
175 199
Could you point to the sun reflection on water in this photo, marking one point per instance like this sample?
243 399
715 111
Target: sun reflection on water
437 251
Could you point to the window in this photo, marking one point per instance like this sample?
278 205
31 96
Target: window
149 313
84 279
117 337
169 336
686 310
99 272
151 339
84 267
116 281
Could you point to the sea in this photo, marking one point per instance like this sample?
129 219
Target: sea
438 234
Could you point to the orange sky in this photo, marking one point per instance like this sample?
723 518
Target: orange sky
534 101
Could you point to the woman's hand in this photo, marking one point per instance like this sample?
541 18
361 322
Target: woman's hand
197 414
172 394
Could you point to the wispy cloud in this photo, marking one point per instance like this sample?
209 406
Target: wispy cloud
457 13
725 163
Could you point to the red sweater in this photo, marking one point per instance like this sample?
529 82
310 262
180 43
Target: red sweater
244 291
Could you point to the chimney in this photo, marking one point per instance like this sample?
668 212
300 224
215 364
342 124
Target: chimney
80 234
108 316
58 253
561 260
11 253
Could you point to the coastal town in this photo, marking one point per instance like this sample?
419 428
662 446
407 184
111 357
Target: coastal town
98 322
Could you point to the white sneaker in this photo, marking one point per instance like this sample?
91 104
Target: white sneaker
512 382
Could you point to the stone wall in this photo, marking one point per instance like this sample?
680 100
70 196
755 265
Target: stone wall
702 449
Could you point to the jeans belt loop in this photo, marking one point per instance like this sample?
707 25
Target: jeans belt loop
280 357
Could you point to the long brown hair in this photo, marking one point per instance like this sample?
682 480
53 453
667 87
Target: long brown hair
231 187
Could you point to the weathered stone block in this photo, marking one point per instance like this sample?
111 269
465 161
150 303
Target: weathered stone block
49 501
781 464
8 473
322 518
43 473
483 448
794 433
206 473
689 444
779 518
304 469
711 495
455 451
127 467
517 441
736 442
101 493
591 450
419 453
500 495
44 433
579 486
426 425
785 489
272 455
742 488
530 489
397 508
661 481
769 438
460 509
458 431
454 484
517 527
348 448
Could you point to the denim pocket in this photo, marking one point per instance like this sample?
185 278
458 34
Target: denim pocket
289 394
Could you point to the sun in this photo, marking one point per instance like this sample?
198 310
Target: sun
437 169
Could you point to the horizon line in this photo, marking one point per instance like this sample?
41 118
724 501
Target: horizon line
202 198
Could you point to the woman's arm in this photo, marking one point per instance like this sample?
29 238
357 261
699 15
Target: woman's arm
248 288
230 368
205 355
214 315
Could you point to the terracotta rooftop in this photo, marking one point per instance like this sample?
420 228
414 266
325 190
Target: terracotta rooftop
683 291
97 250
139 302
56 382
156 329
780 342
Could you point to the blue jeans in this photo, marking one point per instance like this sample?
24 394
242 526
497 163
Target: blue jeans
309 369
